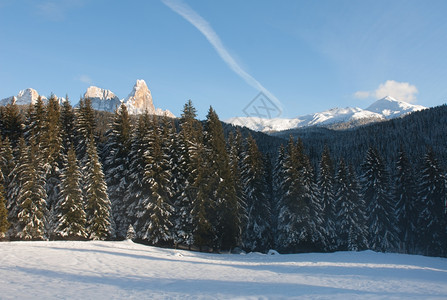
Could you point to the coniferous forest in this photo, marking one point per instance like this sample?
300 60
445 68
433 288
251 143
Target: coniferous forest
78 174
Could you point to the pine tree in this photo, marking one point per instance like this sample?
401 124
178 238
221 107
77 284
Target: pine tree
258 230
380 208
12 124
237 155
51 145
98 206
405 198
85 129
184 174
225 218
116 165
137 189
299 228
4 224
67 123
35 124
31 197
155 211
432 217
70 213
350 223
326 185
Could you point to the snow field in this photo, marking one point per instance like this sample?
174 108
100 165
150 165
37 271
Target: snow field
124 270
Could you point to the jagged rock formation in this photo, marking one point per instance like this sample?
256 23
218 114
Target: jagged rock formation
102 99
24 97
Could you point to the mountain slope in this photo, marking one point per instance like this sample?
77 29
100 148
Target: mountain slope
124 270
386 108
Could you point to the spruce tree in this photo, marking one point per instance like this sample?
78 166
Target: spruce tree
155 210
137 189
53 153
67 123
257 235
70 213
432 217
184 174
85 128
299 221
380 208
98 207
237 154
326 185
222 193
12 124
4 224
405 195
31 197
350 223
116 167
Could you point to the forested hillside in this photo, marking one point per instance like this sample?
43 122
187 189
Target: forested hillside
78 174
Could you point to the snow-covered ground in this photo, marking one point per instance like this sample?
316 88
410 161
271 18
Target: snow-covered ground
124 270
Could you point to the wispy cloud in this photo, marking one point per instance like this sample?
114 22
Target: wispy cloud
400 90
85 79
205 28
56 10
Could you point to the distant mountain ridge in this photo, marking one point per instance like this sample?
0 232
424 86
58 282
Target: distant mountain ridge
25 97
383 109
138 101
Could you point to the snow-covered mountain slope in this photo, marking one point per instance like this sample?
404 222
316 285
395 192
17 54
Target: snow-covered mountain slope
382 109
124 270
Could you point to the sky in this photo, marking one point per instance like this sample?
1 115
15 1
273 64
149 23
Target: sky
304 56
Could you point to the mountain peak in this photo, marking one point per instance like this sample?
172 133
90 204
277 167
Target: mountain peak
389 98
390 107
140 99
24 97
102 99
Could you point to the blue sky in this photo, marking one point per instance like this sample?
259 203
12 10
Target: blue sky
307 55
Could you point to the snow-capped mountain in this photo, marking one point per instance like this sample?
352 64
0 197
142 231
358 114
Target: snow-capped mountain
138 101
391 108
386 108
24 97
102 99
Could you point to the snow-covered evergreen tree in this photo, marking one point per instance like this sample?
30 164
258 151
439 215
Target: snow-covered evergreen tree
298 220
137 189
12 123
257 235
53 153
405 195
98 207
4 224
116 167
222 192
350 225
326 186
237 155
70 214
380 209
155 210
31 197
432 218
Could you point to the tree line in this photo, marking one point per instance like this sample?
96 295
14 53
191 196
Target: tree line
186 183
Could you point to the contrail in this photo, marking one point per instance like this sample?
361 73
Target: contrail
202 25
